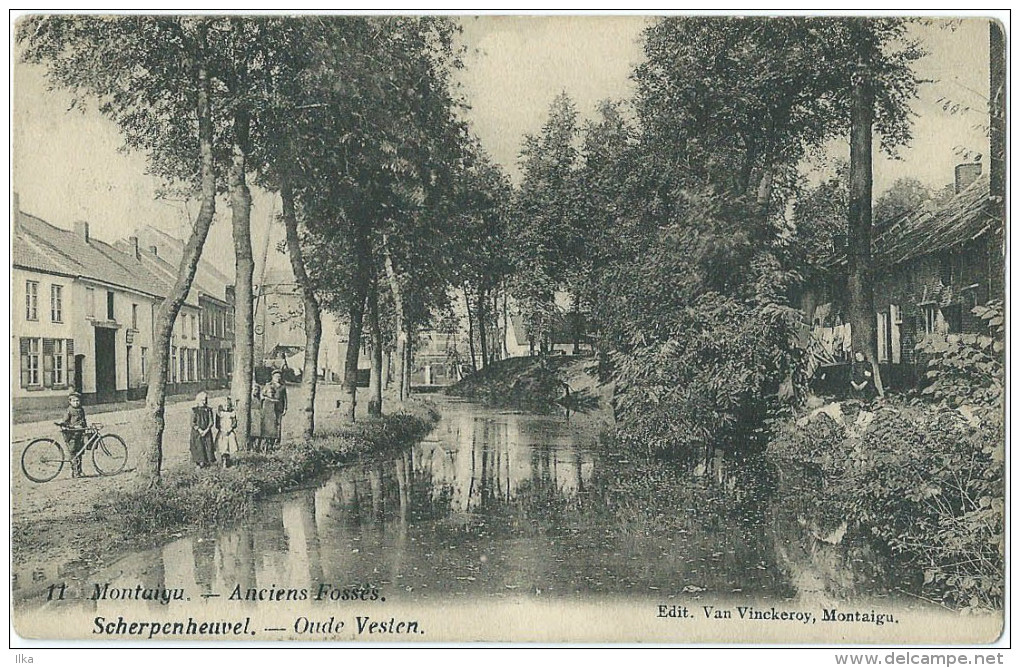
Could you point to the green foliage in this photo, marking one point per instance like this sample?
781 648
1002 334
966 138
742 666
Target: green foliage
714 380
969 368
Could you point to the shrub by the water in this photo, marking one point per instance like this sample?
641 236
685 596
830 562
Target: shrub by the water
924 480
716 379
528 383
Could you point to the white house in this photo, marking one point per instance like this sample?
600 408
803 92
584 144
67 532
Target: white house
82 315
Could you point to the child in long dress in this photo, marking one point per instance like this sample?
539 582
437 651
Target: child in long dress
202 425
226 438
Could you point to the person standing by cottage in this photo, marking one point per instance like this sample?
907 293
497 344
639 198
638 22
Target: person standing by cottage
226 424
861 378
73 429
274 405
255 425
202 425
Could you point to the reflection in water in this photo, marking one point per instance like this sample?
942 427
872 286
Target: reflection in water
501 504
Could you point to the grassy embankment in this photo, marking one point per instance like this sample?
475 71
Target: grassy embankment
188 498
535 384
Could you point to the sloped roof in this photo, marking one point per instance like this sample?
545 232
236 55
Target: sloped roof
208 279
39 246
967 216
159 269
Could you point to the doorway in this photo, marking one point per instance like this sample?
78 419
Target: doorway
106 364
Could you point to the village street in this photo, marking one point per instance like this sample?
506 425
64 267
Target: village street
65 496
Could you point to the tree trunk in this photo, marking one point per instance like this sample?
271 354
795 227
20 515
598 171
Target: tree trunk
860 285
497 348
313 317
576 328
398 307
506 324
482 337
408 357
375 382
244 263
471 330
997 113
151 460
356 314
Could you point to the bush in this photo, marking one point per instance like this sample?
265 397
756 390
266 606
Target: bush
968 368
715 379
923 479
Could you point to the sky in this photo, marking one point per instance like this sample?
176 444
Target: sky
67 166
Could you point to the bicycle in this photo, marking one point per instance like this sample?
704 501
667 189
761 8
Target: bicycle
44 458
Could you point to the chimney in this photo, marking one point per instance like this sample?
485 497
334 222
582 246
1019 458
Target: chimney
81 230
133 241
966 174
154 250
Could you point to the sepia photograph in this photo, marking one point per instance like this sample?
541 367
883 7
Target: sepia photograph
532 329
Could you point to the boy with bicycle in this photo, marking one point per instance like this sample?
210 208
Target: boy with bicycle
73 428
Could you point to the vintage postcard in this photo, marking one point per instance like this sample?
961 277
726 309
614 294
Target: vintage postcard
533 329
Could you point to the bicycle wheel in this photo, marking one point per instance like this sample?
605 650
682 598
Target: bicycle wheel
43 460
109 455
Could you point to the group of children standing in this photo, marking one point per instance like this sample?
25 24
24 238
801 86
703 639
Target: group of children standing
269 404
204 445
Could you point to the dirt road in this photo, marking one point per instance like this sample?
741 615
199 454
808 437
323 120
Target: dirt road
65 496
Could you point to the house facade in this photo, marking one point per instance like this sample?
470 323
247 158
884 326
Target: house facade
82 318
931 267
213 349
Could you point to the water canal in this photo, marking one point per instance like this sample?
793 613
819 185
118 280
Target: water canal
498 504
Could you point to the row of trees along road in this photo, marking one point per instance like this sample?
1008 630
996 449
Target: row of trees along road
666 215
351 120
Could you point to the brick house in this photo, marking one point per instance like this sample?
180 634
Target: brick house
931 267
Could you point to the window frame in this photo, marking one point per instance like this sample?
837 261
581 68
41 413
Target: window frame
35 355
32 300
59 356
56 302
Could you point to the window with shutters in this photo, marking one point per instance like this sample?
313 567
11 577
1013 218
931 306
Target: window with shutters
109 305
134 316
57 303
145 363
31 375
59 363
90 302
31 300
173 364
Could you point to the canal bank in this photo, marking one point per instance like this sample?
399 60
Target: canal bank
129 519
500 509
